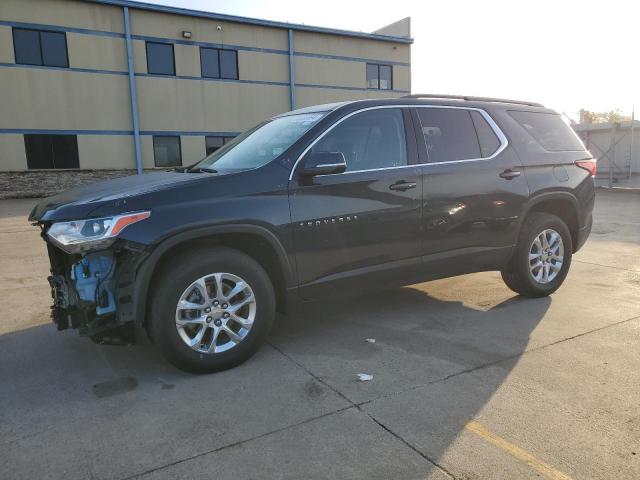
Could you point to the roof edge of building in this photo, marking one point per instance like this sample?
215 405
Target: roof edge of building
247 20
587 127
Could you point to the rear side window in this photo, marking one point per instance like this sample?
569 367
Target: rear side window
549 130
487 138
449 134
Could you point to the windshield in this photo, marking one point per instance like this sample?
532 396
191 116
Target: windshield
260 145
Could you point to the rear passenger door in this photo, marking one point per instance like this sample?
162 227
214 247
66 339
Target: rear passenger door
474 189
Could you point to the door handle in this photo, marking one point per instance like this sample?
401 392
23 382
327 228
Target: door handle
402 186
509 174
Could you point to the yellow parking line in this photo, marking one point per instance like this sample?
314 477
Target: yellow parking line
517 452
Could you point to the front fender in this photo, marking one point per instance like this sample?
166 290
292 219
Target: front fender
147 268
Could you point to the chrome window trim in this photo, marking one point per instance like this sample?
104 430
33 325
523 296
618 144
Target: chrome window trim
504 142
325 165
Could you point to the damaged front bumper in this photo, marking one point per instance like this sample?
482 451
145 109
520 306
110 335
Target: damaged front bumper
94 292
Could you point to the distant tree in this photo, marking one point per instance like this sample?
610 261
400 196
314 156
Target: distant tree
587 116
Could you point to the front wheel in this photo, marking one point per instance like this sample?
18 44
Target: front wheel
541 258
211 309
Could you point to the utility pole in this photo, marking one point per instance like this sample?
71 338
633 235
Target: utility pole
612 151
631 152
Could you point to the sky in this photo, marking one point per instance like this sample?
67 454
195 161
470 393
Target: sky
565 54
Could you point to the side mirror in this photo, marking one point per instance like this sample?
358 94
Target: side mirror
323 163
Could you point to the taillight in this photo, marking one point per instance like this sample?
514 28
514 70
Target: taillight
589 165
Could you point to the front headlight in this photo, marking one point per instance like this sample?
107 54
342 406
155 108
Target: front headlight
91 234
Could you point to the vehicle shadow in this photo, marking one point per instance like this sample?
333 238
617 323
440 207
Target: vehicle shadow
425 337
441 352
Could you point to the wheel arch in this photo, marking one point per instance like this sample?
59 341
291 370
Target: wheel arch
561 204
253 240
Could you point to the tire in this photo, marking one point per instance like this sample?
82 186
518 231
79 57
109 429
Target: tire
519 277
171 327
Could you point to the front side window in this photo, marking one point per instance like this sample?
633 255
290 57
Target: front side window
379 76
368 140
166 151
51 151
36 47
260 145
449 134
549 130
160 59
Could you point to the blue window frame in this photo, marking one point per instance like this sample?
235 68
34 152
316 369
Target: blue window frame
40 47
217 63
160 58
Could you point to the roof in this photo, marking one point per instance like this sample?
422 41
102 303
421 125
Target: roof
324 107
251 21
421 99
591 127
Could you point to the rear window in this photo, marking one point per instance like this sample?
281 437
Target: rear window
549 130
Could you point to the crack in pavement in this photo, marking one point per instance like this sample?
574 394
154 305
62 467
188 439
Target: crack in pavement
606 266
357 406
236 443
505 359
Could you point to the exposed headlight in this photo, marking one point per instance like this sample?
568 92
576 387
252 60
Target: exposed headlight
93 233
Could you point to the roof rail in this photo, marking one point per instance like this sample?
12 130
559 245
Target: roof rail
474 99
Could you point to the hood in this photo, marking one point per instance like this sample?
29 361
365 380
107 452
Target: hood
80 202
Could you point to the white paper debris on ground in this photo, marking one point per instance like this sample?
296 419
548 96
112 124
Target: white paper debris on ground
365 377
370 340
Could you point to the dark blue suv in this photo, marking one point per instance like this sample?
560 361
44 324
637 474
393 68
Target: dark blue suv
313 203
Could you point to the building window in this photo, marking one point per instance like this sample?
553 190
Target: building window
166 151
379 76
37 47
51 151
160 60
214 143
216 63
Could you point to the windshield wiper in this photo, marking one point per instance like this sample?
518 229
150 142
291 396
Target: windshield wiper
203 169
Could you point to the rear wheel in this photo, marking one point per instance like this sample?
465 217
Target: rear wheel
211 309
542 256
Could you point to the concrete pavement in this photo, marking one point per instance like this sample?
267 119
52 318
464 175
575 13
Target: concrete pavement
469 381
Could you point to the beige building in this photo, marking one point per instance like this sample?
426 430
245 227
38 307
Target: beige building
115 84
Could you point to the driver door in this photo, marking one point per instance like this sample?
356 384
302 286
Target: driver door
362 225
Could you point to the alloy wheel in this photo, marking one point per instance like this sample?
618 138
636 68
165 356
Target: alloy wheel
546 255
215 313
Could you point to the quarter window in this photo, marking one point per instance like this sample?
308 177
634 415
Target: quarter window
51 151
37 47
549 130
487 138
160 60
166 151
216 63
379 76
214 143
369 140
448 134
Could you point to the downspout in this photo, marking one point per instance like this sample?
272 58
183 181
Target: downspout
292 81
132 91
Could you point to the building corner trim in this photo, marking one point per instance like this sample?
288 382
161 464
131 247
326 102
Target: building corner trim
132 91
292 81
